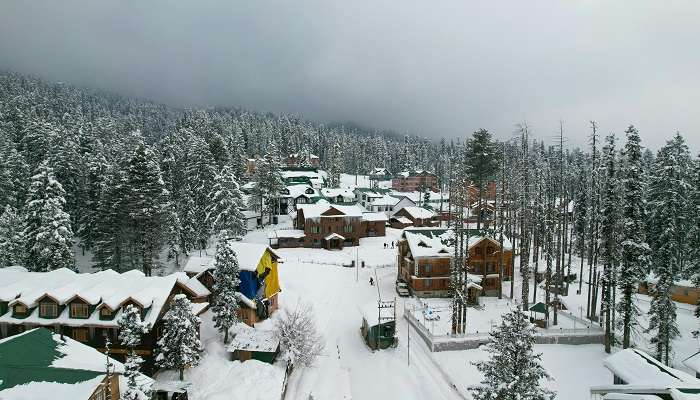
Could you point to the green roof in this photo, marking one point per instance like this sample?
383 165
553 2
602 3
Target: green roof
28 357
539 307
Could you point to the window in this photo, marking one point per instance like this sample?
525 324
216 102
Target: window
20 309
347 228
79 310
428 283
105 312
316 229
477 251
428 268
48 310
477 268
489 250
80 334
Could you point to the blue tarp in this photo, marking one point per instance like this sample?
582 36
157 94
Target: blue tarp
249 284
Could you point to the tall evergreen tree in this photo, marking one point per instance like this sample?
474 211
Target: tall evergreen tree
226 281
513 371
147 202
131 330
668 206
610 220
635 250
11 237
179 346
48 235
225 203
481 164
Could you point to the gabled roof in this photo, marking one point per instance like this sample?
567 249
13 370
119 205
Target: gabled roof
418 212
636 367
104 288
249 254
322 208
247 338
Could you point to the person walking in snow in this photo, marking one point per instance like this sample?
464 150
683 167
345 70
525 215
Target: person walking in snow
371 281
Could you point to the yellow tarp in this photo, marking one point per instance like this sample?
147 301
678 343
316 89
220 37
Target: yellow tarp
272 281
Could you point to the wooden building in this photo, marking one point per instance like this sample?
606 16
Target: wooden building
333 226
682 291
419 217
249 343
425 257
86 307
259 275
40 364
415 181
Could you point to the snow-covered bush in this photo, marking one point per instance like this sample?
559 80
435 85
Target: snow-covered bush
300 343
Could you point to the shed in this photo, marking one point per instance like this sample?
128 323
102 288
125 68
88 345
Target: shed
253 344
379 325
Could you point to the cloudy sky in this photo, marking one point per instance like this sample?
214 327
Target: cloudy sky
433 68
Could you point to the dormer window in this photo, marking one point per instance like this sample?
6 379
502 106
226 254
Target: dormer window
20 309
79 310
48 310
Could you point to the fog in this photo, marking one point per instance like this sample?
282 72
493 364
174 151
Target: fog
432 68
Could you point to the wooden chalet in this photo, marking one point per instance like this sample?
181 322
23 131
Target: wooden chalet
425 257
333 226
682 291
86 307
418 217
413 181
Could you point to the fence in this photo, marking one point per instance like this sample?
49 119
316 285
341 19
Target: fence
589 335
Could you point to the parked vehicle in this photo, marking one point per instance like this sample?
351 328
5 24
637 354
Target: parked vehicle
402 289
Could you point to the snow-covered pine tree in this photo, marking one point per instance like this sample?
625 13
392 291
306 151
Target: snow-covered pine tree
131 329
147 202
525 215
335 164
635 250
481 164
200 173
300 343
110 234
609 237
269 182
668 207
225 202
11 237
513 371
694 231
14 177
179 346
48 236
226 281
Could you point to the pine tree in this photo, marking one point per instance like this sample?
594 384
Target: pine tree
48 236
11 238
335 166
179 346
635 250
668 206
482 164
131 329
694 231
225 202
14 177
610 220
268 180
225 305
146 200
513 371
201 173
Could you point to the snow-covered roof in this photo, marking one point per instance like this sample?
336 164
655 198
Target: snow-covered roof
417 197
286 234
693 362
419 212
249 254
385 200
379 171
335 192
107 288
316 210
54 367
436 242
248 338
402 220
334 236
635 367
686 283
197 264
299 191
374 216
